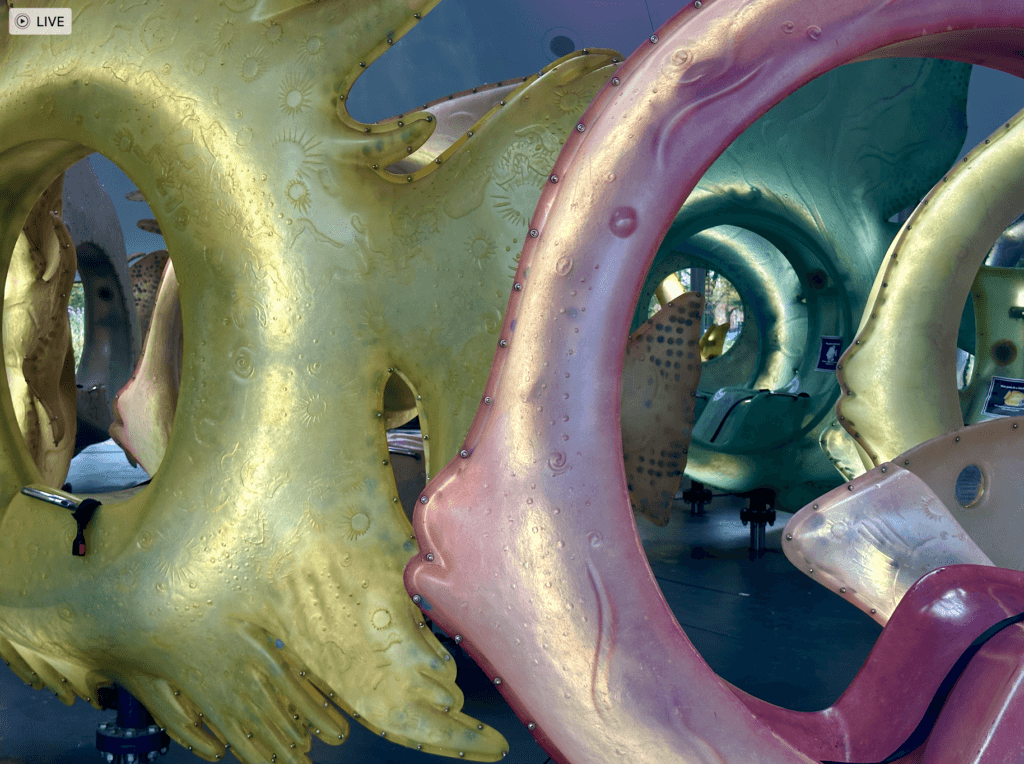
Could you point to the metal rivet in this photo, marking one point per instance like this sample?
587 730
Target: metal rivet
438 160
873 611
430 118
464 454
849 487
810 570
470 133
789 537
883 469
362 64
376 167
423 500
409 178
840 367
417 16
395 499
654 38
408 149
462 755
503 343
815 506
317 732
697 3
957 439
501 103
531 726
615 80
488 400
553 178
383 733
842 590
177 692
906 462
497 680
417 599
479 726
518 287
580 127
447 709
401 123
1015 425
430 557
390 42
534 233
419 746
458 639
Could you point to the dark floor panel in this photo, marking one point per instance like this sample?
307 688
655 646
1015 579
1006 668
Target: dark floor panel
762 625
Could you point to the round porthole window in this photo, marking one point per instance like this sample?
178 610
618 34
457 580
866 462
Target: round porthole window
970 486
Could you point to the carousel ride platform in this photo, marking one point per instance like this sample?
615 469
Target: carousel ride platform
762 625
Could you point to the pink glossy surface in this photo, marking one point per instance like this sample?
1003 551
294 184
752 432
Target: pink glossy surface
535 558
936 621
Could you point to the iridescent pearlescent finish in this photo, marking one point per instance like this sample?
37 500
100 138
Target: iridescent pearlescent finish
150 398
908 332
593 659
871 539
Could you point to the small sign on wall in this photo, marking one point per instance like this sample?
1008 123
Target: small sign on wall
1005 397
828 354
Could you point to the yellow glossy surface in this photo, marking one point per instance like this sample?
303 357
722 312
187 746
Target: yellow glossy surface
713 341
38 356
259 576
907 335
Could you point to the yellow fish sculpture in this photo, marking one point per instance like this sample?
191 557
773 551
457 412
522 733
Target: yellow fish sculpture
38 356
253 591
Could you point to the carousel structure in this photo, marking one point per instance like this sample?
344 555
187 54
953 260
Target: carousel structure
468 313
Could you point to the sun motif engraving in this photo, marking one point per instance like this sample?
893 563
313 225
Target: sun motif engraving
355 524
517 202
298 194
313 409
296 95
299 152
225 34
312 47
381 618
124 140
479 247
229 217
253 64
573 101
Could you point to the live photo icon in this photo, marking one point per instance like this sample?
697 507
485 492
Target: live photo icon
39 21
